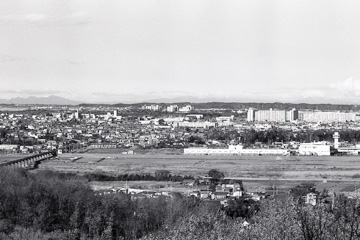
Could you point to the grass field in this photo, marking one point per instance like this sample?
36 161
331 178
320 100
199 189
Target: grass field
10 157
257 172
292 167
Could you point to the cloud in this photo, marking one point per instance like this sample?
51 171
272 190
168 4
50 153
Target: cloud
313 93
77 18
350 87
35 17
112 94
341 92
9 58
72 62
29 91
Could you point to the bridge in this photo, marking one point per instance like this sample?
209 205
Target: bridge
30 161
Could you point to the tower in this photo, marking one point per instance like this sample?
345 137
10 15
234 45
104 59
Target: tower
336 137
77 114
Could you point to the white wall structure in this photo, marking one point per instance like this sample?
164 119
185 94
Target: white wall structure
197 124
209 151
317 149
319 116
234 150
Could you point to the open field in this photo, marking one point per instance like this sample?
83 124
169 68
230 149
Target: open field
288 167
257 172
13 156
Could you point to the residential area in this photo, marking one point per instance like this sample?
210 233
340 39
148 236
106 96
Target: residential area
198 131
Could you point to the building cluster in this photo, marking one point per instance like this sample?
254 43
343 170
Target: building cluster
322 148
273 115
221 193
69 130
201 132
320 116
170 108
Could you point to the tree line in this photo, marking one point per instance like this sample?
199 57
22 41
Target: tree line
94 176
274 135
280 135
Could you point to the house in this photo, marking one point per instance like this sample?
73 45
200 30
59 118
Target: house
224 203
255 197
204 194
237 193
310 198
219 195
195 194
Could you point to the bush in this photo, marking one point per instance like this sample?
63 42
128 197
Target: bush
356 175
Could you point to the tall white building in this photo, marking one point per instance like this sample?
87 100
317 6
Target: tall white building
172 108
152 107
271 115
187 108
77 114
250 115
292 115
319 116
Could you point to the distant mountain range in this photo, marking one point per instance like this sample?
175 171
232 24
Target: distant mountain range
50 100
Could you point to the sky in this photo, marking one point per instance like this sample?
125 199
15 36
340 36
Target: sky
221 50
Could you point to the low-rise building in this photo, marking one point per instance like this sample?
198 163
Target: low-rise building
314 149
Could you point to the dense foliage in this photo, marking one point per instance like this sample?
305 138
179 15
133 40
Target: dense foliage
276 219
48 205
135 177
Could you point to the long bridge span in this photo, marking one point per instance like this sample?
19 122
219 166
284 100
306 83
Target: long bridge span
30 161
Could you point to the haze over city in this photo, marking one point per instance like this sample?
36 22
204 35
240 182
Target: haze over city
130 51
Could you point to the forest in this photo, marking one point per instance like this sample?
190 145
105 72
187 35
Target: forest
49 205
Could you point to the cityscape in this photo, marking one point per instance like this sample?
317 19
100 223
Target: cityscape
193 131
190 152
179 120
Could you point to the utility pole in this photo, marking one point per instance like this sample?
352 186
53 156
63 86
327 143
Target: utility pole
332 201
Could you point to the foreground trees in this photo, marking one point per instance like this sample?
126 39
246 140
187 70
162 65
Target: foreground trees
63 207
48 205
276 219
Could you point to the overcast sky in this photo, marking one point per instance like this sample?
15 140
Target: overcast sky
115 50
